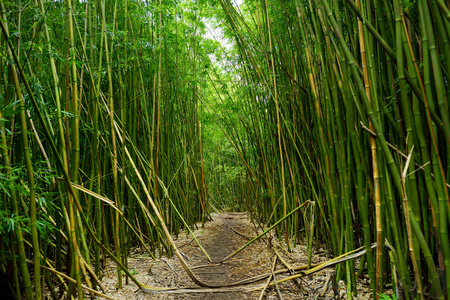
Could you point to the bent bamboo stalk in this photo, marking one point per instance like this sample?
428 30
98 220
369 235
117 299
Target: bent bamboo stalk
265 232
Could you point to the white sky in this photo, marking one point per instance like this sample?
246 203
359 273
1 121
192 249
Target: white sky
216 33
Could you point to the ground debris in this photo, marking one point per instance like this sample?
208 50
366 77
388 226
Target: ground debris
220 238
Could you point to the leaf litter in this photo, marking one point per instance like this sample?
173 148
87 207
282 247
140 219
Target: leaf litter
227 232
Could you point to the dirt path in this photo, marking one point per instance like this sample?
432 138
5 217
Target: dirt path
219 240
221 237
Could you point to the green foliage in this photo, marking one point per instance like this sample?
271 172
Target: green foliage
149 67
264 118
310 75
387 297
9 224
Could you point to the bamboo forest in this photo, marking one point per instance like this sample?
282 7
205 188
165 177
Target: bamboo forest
224 149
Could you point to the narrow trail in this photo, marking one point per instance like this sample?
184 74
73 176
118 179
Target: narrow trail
219 240
226 233
222 241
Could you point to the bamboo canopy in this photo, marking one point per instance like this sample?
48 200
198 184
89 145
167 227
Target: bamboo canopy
123 122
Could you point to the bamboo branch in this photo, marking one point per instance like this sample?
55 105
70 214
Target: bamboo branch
399 152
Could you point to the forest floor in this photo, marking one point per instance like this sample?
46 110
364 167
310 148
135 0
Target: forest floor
226 233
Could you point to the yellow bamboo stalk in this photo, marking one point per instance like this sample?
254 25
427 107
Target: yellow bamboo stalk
376 184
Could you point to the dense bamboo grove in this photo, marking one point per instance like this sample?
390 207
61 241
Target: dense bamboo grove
100 115
118 128
348 107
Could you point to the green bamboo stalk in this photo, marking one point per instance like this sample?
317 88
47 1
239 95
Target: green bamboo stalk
385 148
30 172
7 163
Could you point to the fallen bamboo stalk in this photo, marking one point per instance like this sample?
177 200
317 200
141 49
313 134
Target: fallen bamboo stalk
342 258
289 268
268 281
166 195
265 232
73 281
225 289
237 286
239 233
275 280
